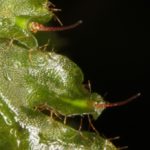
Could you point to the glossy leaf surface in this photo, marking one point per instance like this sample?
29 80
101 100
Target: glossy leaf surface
15 17
31 79
37 87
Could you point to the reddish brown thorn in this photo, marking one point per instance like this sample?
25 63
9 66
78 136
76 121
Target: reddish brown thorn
65 119
114 138
121 148
118 103
34 27
91 124
87 86
81 123
50 4
58 20
55 9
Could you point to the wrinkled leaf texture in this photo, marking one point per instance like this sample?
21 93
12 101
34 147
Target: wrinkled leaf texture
32 78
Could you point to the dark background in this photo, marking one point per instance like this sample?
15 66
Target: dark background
111 47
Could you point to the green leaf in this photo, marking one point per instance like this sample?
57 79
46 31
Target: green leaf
45 78
30 80
33 130
15 17
39 89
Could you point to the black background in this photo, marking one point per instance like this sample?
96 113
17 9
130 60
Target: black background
111 47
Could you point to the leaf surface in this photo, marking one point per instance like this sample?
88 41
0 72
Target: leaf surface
15 17
49 80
